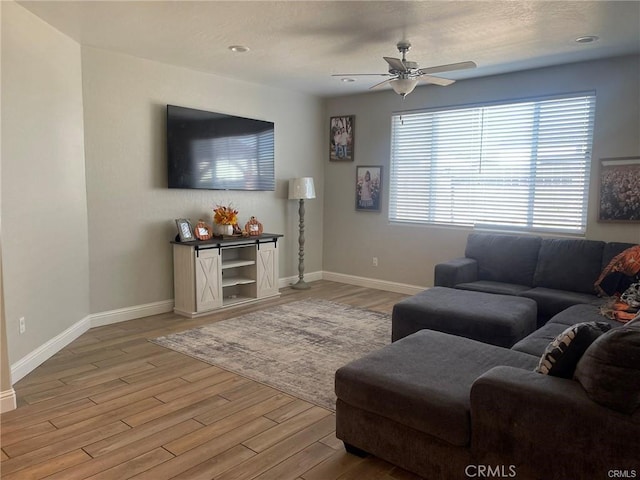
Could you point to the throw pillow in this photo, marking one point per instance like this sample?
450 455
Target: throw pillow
609 370
619 273
562 355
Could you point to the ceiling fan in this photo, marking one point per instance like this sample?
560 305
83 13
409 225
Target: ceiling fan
405 74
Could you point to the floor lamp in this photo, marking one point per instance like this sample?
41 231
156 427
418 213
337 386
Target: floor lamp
301 189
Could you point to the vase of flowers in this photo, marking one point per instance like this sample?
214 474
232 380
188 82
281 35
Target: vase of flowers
224 218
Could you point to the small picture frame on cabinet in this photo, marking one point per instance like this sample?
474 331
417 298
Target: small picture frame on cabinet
253 227
185 231
202 231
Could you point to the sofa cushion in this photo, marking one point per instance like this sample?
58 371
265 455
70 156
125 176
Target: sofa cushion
504 258
488 286
551 301
562 354
582 313
537 342
423 381
567 264
609 370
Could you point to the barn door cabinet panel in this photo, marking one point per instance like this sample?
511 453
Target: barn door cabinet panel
267 271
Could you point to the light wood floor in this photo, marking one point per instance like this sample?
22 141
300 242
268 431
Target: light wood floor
114 406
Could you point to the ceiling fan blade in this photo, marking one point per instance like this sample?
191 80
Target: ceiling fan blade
443 82
396 64
381 84
448 68
360 74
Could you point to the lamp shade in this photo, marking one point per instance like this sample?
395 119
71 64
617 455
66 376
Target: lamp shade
404 86
301 188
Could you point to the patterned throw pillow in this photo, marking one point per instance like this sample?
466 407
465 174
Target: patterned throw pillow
562 355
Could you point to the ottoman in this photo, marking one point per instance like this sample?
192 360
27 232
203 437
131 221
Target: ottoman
500 320
409 402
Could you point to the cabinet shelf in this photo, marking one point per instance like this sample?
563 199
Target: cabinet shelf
231 281
237 263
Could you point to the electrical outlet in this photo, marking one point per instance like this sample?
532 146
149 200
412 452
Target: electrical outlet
375 261
23 325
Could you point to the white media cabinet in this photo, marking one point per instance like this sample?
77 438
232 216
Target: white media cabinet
221 272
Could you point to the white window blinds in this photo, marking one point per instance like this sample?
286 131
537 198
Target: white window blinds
519 166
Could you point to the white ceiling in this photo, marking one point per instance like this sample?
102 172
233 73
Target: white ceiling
298 45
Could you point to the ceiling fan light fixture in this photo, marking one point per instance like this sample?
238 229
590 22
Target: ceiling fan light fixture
404 86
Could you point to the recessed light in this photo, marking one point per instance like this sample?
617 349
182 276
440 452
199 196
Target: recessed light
347 80
238 48
587 39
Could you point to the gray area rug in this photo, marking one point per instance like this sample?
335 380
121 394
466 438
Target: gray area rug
295 347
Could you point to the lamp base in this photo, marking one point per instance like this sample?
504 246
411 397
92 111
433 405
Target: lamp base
301 285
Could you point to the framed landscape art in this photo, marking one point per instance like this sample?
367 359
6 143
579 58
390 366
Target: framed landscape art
619 189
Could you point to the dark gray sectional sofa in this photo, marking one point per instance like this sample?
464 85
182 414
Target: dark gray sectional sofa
556 273
448 407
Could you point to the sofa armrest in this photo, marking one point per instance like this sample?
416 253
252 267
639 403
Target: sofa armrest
547 427
455 271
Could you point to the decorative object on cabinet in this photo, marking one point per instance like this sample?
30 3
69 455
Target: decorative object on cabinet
341 138
202 231
185 232
219 273
253 227
368 188
222 230
620 189
301 189
225 215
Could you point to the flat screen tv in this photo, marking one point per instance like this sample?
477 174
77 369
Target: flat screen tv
216 151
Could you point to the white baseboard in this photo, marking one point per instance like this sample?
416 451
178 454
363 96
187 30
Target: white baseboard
131 313
373 283
8 400
29 362
308 277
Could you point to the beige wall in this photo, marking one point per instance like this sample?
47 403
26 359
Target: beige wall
44 212
408 253
5 371
86 214
131 211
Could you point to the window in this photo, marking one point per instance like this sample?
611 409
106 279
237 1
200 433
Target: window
516 166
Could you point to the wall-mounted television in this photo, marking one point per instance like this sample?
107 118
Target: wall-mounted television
216 151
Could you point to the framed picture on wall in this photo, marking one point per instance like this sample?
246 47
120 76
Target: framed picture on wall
341 138
368 188
619 189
